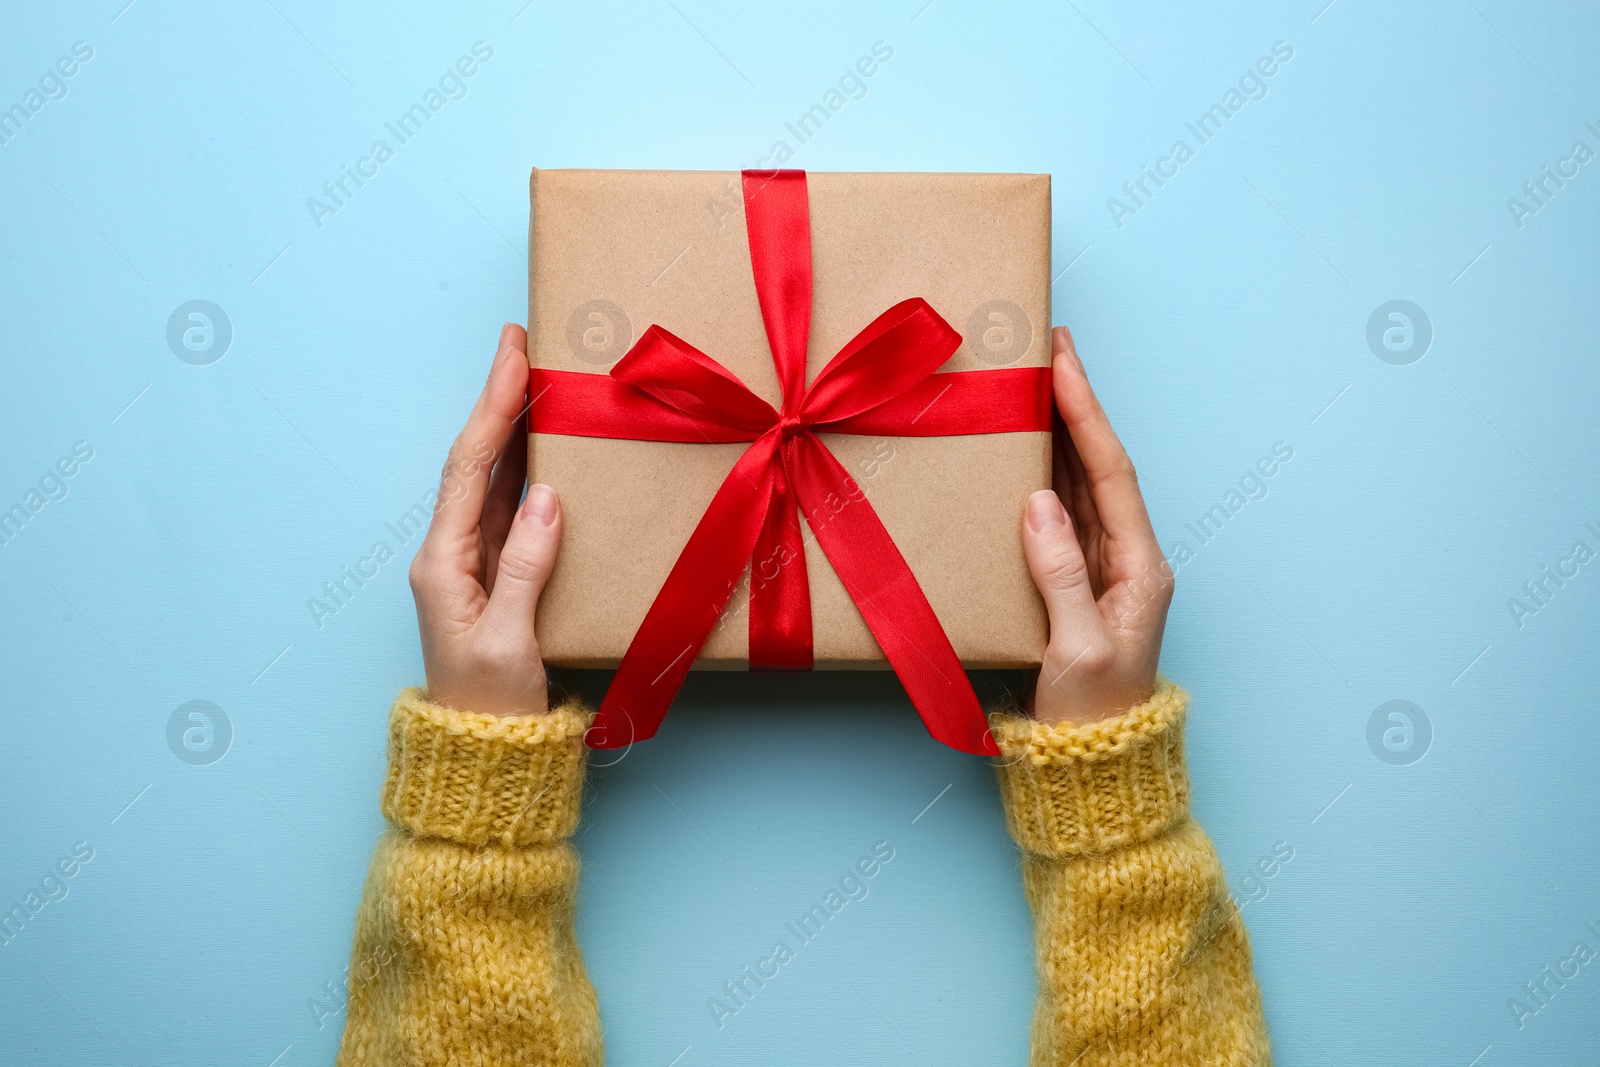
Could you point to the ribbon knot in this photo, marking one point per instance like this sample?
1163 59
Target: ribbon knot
884 382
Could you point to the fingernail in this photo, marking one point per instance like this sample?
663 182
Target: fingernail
506 352
1045 512
1063 340
541 504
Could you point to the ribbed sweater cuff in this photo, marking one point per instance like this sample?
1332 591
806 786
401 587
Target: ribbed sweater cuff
1073 789
478 779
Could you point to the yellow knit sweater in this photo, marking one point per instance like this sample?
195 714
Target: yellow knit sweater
464 951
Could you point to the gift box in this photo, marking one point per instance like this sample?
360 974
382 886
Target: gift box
704 280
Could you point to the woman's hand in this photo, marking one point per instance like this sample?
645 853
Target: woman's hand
479 572
1104 580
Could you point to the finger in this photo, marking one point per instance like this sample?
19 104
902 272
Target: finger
449 599
1113 483
1056 562
1072 486
464 484
505 494
526 561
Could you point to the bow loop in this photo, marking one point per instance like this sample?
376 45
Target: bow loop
896 351
680 375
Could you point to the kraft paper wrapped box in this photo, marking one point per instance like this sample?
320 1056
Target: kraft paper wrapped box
613 252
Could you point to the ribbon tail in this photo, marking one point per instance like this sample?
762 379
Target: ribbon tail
780 591
690 601
896 610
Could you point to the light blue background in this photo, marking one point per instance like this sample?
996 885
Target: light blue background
1225 315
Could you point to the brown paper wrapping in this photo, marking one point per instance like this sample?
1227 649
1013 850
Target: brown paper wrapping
611 252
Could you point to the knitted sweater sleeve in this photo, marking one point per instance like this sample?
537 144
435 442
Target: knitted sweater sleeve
1142 955
464 950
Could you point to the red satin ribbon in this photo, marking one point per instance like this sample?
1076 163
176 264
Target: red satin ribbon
882 382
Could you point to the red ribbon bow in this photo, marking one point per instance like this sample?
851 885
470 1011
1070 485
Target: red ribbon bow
882 382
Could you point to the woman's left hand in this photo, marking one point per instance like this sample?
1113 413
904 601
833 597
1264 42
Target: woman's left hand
1094 557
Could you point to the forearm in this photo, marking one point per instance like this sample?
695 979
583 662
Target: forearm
464 950
1142 956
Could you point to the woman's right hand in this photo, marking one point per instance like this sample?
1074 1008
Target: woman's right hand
485 560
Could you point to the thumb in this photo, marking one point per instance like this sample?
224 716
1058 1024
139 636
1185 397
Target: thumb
526 560
1055 560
